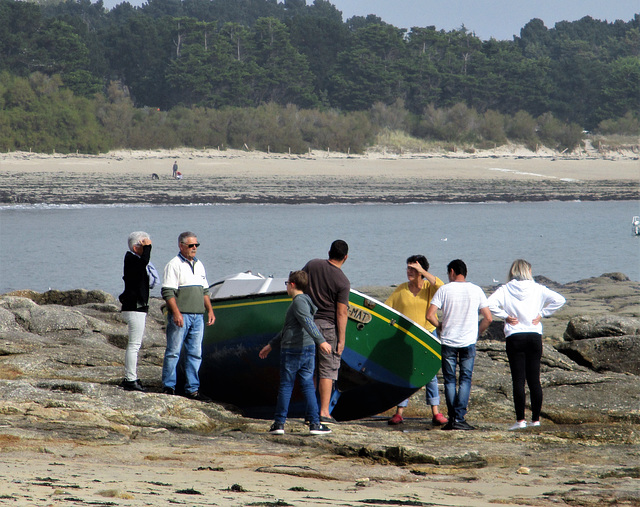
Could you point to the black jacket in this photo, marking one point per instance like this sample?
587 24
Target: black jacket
135 297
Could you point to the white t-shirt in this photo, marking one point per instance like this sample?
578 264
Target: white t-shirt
460 303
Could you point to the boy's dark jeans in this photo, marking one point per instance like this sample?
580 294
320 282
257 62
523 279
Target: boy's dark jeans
300 363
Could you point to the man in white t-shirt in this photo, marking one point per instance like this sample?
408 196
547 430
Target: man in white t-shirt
460 301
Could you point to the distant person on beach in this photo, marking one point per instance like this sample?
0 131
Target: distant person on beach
186 292
460 301
297 341
329 290
412 299
175 169
522 303
139 276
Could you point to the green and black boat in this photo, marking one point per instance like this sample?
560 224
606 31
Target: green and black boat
387 357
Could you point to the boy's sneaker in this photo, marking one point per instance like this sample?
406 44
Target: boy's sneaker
519 425
277 429
534 423
319 429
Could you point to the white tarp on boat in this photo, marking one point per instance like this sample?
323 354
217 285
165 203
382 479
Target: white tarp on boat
242 284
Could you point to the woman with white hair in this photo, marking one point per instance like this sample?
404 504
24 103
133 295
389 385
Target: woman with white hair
139 276
522 303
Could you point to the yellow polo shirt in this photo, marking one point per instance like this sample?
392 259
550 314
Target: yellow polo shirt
414 307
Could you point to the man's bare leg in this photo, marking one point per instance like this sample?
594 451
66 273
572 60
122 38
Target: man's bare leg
325 388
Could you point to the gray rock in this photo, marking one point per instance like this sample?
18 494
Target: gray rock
595 326
619 353
66 298
60 367
7 320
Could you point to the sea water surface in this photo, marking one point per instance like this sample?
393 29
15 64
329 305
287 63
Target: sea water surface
70 247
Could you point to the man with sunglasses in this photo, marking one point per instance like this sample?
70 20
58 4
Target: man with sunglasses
186 292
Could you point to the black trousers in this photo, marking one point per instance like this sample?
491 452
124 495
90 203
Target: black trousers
524 351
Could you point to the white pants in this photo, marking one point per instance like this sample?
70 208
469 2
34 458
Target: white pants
136 322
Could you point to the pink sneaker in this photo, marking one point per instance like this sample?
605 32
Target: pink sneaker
439 420
396 419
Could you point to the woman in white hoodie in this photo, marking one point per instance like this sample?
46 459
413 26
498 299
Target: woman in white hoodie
522 303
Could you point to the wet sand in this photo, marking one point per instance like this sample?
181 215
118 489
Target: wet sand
212 176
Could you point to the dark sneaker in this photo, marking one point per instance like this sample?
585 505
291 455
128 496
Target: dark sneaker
319 429
132 385
277 429
327 420
198 396
462 425
449 425
168 390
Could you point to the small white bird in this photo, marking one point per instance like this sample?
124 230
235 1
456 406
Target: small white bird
495 281
443 239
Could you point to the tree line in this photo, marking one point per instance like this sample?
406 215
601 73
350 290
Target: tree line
75 76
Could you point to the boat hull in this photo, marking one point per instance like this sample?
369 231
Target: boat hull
387 357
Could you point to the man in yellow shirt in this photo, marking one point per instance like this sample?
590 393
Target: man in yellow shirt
412 299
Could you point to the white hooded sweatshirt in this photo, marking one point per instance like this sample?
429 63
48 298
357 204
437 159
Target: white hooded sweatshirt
525 300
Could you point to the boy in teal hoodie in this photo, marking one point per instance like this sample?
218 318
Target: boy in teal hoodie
297 340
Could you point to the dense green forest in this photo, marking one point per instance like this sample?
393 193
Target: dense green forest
75 76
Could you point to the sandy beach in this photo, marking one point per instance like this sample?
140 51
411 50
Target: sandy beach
214 176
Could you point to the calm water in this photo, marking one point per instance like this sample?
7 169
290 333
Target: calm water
83 247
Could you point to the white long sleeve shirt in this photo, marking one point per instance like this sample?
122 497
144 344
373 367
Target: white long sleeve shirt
525 300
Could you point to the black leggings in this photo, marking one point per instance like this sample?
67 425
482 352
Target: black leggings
524 351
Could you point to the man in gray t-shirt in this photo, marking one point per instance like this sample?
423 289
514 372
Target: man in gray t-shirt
329 290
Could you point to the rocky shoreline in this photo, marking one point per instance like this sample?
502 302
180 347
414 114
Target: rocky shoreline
116 189
69 433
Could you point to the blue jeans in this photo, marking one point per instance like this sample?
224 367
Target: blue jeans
457 399
432 395
300 363
190 334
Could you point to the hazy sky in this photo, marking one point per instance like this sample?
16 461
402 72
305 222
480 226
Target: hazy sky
501 19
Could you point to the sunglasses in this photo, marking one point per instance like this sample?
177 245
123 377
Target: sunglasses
191 245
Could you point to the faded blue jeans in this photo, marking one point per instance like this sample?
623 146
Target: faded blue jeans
432 395
457 397
190 334
297 363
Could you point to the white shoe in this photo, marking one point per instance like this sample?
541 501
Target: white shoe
518 425
534 423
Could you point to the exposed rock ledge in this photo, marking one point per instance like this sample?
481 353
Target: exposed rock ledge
61 359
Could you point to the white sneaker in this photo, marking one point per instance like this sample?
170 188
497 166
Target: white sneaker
534 423
518 425
277 429
319 429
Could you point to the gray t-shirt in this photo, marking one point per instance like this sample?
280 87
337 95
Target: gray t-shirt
328 286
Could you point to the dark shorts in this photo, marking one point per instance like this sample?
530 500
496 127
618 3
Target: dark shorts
328 364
